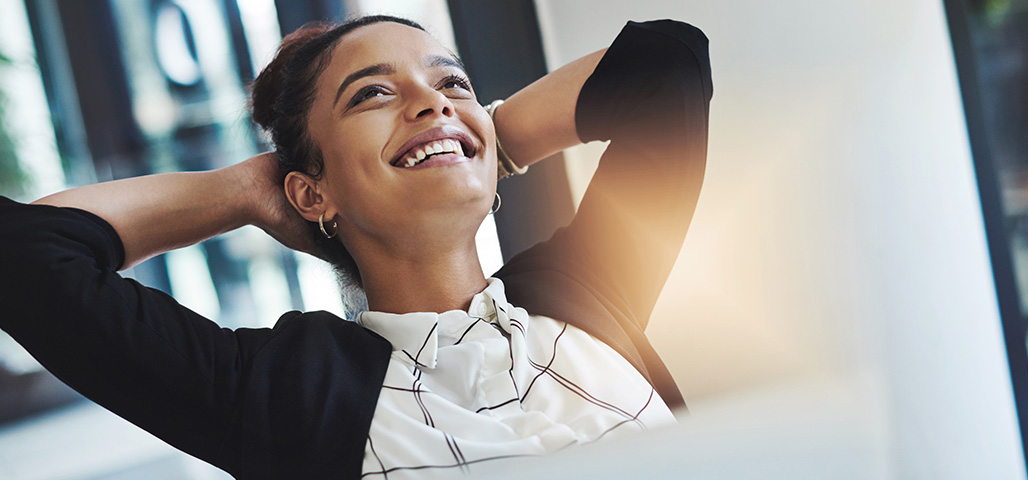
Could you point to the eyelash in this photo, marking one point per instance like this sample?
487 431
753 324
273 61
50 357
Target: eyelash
462 81
362 94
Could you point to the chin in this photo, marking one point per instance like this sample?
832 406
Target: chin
466 187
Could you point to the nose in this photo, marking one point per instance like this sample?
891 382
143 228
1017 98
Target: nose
426 101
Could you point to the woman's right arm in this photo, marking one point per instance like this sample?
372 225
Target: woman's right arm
158 213
129 348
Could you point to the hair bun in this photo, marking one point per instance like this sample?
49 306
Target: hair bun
266 88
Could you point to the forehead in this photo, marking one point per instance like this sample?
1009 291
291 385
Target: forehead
383 42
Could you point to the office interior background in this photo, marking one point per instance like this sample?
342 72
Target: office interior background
850 301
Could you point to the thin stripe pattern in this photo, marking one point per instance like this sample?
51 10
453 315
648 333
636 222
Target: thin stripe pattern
466 390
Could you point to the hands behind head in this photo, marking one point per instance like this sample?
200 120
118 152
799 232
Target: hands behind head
272 211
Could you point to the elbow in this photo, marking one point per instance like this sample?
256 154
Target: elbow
679 49
46 250
653 84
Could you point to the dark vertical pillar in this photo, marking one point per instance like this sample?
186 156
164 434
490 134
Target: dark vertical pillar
238 38
292 14
501 46
52 58
112 135
996 232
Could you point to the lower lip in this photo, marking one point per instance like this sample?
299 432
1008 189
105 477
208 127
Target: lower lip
439 161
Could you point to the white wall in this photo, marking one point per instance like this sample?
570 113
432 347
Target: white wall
839 233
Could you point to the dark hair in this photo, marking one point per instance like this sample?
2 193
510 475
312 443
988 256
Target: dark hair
280 101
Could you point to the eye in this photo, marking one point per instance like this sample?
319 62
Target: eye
365 93
455 81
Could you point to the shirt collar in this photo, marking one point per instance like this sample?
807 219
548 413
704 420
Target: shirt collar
419 335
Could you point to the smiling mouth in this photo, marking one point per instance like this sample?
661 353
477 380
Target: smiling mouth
445 140
430 150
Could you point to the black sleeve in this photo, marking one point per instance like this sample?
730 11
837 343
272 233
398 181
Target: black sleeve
129 348
649 96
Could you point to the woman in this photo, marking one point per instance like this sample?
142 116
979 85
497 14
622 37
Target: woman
386 164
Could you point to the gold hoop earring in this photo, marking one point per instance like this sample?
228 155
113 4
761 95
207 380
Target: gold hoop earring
321 225
499 201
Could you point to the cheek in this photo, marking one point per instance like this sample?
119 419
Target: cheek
349 183
361 189
353 163
476 118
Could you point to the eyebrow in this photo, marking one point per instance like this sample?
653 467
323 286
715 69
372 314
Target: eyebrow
376 69
388 68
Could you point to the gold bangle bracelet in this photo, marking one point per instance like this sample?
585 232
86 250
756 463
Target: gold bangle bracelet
506 166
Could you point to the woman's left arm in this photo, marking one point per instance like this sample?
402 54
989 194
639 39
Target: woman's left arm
649 96
539 120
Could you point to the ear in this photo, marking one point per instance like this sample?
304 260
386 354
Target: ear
305 195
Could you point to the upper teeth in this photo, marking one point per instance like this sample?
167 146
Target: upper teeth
433 148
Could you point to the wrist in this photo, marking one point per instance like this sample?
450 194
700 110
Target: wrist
506 166
245 191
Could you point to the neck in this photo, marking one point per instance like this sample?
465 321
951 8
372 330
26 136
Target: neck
435 280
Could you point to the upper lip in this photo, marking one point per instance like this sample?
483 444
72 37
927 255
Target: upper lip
444 132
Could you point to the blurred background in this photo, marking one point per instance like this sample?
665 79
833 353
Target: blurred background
850 301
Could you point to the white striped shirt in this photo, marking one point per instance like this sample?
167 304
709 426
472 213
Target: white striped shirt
466 387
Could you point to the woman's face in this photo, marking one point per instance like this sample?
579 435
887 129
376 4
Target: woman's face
391 96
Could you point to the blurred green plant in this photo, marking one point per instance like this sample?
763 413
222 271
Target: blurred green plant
994 12
13 179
